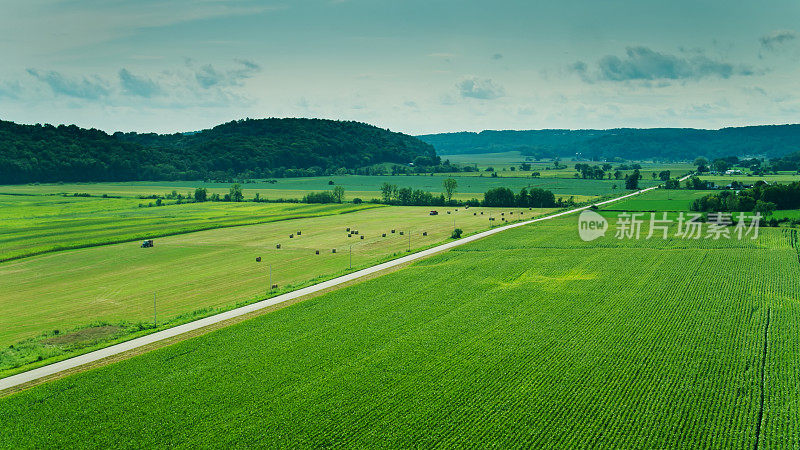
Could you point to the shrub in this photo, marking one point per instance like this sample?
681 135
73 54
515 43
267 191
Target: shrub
457 233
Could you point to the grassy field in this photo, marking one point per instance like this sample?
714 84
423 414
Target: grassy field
659 200
364 187
112 286
44 223
531 338
787 213
723 180
507 160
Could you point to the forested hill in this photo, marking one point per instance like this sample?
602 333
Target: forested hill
248 148
660 143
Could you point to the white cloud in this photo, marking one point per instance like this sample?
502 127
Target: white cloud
480 88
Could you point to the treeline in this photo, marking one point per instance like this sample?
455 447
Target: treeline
677 144
761 197
495 197
788 162
264 148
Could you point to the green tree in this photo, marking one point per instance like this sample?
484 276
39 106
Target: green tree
338 193
387 191
450 185
499 196
721 165
236 194
632 180
200 194
765 208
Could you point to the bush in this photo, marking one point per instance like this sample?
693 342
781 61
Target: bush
319 197
357 201
457 233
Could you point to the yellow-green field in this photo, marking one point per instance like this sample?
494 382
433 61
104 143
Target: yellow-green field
35 224
211 269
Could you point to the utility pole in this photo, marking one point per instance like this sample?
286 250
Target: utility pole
409 241
351 256
270 277
155 313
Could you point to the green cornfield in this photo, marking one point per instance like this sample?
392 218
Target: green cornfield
530 338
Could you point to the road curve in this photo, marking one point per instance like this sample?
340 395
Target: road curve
77 361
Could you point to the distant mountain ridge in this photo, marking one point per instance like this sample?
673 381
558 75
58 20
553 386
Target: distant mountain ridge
629 143
249 148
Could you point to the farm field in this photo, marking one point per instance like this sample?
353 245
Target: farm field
658 200
112 286
530 338
34 224
727 179
787 213
364 187
506 160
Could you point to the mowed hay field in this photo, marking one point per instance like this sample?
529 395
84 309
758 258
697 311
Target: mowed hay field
35 224
213 268
530 338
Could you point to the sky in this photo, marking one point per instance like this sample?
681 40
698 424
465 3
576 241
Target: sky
407 65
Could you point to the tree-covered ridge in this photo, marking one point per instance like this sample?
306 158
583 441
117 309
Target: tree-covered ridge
628 143
245 148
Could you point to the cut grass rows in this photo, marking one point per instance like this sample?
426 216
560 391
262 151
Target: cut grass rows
34 225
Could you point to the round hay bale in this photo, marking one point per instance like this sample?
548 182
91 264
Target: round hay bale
424 233
278 246
291 236
299 233
333 250
383 235
362 237
318 252
258 259
401 233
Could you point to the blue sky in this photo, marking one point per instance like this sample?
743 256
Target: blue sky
411 66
